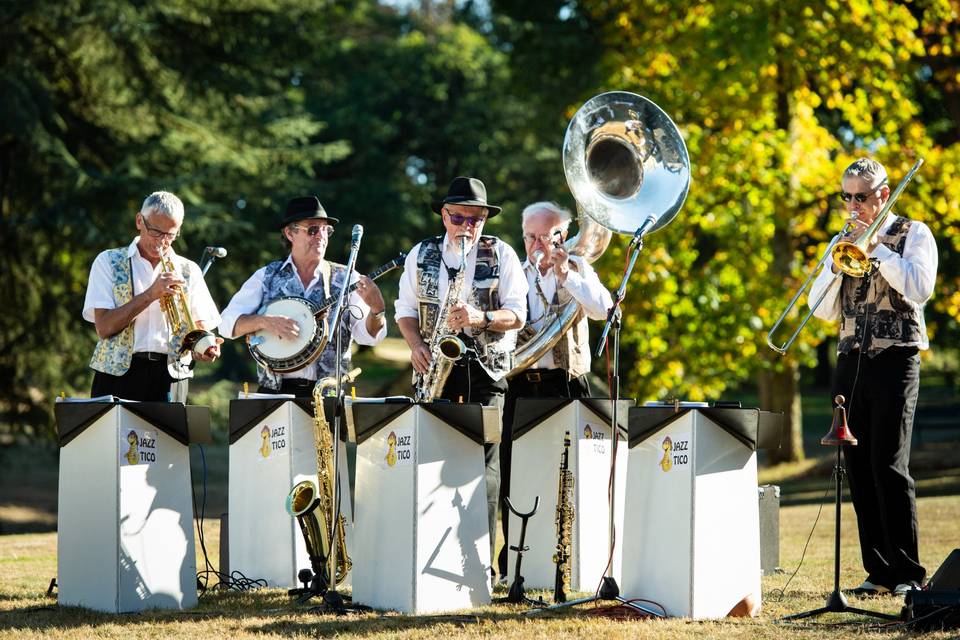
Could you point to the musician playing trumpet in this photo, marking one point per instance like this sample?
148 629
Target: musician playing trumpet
882 331
554 277
305 230
139 355
485 315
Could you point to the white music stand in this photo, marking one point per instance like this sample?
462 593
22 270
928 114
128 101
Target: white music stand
422 539
691 535
125 514
265 541
538 432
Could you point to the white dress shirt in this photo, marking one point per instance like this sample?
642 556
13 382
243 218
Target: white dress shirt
150 331
584 286
511 289
912 274
249 299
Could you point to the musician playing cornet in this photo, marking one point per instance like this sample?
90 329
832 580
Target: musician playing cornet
305 231
486 315
138 356
554 278
878 371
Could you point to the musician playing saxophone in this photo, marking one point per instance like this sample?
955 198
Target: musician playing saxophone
138 356
305 229
489 310
554 278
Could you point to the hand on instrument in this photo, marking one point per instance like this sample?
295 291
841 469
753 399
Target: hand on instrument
166 284
369 292
211 353
281 326
463 315
857 226
560 260
420 357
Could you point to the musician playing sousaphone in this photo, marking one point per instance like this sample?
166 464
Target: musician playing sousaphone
142 352
305 229
484 314
554 278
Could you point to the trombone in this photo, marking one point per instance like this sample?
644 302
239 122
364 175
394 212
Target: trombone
850 258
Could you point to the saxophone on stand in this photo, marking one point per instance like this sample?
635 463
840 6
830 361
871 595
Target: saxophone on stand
564 520
445 347
312 504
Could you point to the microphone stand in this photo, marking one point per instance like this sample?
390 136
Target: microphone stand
331 597
609 590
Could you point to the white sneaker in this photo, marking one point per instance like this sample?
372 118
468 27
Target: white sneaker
904 587
867 588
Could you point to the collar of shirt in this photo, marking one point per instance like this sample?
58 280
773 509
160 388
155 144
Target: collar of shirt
316 274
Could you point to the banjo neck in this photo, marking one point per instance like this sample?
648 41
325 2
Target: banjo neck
380 271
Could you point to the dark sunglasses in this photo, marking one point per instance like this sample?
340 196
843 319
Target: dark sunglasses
860 197
458 219
313 230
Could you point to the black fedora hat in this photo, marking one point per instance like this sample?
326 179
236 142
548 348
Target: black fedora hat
468 192
305 208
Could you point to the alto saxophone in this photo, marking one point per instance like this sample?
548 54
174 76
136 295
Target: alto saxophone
176 309
564 520
312 504
445 347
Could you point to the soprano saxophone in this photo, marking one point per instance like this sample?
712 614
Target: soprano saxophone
312 504
564 521
445 347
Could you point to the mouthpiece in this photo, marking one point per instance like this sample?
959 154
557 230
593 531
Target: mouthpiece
537 258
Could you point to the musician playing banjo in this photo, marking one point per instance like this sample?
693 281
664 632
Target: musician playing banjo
304 273
486 315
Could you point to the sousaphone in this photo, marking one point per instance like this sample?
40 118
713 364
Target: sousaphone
627 167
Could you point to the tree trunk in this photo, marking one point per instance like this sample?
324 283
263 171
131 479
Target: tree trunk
779 392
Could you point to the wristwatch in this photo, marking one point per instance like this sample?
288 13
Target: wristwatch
379 315
489 317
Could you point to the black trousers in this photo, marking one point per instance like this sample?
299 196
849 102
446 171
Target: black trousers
880 399
299 387
147 379
533 383
473 384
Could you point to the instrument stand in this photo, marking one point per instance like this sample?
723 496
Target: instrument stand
609 589
517 595
836 601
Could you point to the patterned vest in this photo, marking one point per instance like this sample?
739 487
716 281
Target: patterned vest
494 356
113 354
280 279
875 316
572 351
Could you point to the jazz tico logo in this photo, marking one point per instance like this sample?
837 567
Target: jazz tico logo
675 452
399 448
141 447
272 439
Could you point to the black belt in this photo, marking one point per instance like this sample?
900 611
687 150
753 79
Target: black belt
152 356
543 375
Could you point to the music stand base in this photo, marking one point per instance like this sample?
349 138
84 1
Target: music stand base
837 603
608 591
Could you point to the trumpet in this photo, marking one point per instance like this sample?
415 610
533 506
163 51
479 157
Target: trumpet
176 309
848 256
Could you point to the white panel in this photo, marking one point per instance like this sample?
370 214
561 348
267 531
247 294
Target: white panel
727 540
383 533
156 552
657 533
87 517
453 539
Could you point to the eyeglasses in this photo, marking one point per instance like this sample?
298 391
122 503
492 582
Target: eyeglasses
314 229
544 238
153 232
860 197
471 221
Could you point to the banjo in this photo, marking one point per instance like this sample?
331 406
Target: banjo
283 355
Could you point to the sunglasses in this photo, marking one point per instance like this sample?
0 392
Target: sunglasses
471 221
860 197
314 229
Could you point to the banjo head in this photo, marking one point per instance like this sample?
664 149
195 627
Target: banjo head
301 310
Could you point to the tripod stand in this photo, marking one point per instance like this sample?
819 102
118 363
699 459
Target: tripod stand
517 593
838 436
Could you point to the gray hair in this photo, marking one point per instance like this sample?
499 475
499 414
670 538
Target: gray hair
869 170
563 215
164 203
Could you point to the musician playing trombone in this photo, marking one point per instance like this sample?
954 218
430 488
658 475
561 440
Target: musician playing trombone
486 315
882 331
305 230
137 356
554 277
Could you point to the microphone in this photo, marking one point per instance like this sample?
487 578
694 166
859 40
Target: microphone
217 252
355 237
